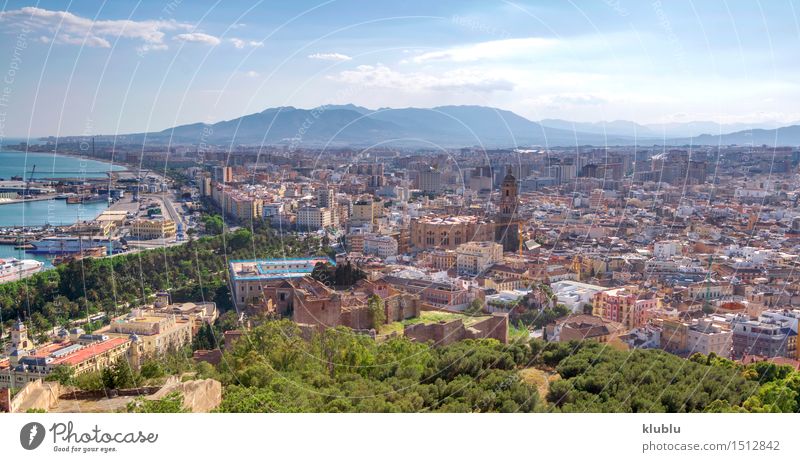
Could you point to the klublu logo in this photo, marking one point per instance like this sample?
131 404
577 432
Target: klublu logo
31 435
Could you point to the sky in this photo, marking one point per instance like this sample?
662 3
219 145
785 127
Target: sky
91 67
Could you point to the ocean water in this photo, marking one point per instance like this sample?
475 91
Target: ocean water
8 251
48 165
54 212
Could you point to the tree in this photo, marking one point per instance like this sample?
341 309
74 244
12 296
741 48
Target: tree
170 404
377 311
62 374
214 224
119 375
475 308
206 338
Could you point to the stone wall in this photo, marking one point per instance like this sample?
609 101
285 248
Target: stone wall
495 327
441 333
36 395
198 395
444 333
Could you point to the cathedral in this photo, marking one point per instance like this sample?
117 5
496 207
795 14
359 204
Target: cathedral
507 221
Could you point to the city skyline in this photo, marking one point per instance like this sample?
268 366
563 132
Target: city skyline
116 69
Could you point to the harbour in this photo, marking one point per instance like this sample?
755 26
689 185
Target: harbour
29 217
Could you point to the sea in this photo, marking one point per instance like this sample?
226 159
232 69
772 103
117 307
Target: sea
54 212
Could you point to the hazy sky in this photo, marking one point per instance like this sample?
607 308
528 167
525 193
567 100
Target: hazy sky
88 67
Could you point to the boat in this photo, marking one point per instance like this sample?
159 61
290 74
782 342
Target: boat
13 269
87 199
58 245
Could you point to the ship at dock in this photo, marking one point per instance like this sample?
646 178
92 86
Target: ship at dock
12 269
61 245
87 199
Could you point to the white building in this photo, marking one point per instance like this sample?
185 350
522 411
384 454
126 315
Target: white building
705 337
310 218
380 246
666 249
575 294
474 257
780 316
272 209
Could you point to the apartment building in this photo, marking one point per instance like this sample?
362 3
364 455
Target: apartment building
313 218
153 229
473 258
624 305
380 246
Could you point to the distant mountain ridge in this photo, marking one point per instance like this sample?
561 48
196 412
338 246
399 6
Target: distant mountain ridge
437 127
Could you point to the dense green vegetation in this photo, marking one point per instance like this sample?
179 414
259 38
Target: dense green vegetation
277 368
274 369
120 374
193 271
597 378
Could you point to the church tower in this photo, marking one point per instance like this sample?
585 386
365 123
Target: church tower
19 337
20 344
507 221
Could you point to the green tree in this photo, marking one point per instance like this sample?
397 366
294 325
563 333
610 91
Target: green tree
475 308
214 224
170 404
377 312
62 374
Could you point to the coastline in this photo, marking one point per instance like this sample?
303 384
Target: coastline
125 167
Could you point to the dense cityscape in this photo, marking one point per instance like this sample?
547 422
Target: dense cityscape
519 265
221 220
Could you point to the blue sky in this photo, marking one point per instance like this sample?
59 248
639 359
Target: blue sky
88 67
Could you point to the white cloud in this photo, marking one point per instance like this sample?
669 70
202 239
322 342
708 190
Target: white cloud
570 99
455 80
198 37
330 57
252 74
70 29
240 44
494 49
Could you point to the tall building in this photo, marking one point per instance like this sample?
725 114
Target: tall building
223 174
430 181
326 197
311 218
205 185
366 211
506 220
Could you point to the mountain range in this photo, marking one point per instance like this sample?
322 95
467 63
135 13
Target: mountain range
449 127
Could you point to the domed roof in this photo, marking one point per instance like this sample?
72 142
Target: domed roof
509 176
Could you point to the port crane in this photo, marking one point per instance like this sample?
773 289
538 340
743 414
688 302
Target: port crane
27 188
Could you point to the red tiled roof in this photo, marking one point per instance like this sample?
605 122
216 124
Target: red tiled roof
91 350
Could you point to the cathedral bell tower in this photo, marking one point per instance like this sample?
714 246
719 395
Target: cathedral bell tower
507 221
